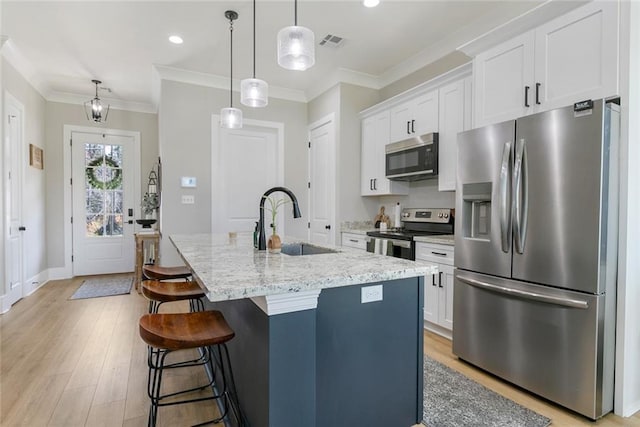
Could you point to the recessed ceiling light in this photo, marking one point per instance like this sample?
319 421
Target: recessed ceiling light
371 3
175 39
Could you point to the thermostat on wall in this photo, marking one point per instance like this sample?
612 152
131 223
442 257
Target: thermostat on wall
188 181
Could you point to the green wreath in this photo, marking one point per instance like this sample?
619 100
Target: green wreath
113 183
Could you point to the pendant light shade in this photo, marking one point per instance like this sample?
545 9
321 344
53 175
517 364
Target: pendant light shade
296 46
231 118
254 92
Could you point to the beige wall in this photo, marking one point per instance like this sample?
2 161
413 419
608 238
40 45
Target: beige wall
33 195
57 116
185 120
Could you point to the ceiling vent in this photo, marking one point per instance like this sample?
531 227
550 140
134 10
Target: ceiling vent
331 41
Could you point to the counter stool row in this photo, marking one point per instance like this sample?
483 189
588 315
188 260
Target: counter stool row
166 333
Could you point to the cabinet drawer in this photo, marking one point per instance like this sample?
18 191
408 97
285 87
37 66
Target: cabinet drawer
434 253
357 241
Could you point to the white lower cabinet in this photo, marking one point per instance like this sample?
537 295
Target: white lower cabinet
354 240
438 288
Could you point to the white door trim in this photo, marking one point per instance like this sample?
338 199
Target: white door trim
215 140
67 271
329 118
10 100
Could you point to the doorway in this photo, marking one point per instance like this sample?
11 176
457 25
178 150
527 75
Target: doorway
322 181
246 162
105 199
14 150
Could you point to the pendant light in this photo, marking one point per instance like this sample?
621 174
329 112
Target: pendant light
231 118
254 92
296 46
93 108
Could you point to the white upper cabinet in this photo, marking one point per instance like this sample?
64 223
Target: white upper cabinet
569 59
452 114
375 135
577 56
502 77
415 117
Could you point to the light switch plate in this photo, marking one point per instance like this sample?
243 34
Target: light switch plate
188 199
371 293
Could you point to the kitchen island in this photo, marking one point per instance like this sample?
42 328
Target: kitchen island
308 351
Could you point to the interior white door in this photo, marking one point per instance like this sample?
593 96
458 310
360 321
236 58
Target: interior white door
246 163
13 204
103 180
322 183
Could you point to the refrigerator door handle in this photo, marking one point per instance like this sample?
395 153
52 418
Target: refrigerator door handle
566 302
505 198
520 196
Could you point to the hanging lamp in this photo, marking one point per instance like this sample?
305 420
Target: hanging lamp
254 92
296 46
93 108
231 118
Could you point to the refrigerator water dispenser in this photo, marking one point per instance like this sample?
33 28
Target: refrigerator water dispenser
476 206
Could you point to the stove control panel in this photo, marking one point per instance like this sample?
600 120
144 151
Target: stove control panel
427 215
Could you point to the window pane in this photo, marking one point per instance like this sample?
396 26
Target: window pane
95 201
117 202
95 225
115 153
113 226
93 152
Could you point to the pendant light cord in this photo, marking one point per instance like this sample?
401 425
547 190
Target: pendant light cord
231 67
295 13
254 39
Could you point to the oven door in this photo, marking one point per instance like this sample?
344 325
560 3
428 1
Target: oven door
391 247
412 163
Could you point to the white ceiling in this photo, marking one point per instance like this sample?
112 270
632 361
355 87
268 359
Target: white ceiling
61 46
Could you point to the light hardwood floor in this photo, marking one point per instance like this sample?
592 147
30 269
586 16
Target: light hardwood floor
82 363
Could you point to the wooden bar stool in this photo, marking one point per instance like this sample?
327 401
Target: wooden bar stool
170 332
158 293
156 272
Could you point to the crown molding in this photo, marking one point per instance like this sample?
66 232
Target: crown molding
24 67
115 104
528 20
211 80
343 75
3 39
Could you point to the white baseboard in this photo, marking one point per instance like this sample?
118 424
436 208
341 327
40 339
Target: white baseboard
33 284
3 301
436 329
630 409
60 273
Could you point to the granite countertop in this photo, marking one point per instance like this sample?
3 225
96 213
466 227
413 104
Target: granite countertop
441 240
361 231
357 227
232 269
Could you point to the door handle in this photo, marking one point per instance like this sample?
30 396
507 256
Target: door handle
440 279
505 199
130 221
433 280
327 227
408 127
371 184
22 228
526 96
413 122
549 299
538 93
375 182
521 196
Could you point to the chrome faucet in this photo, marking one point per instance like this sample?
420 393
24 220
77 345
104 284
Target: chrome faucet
262 245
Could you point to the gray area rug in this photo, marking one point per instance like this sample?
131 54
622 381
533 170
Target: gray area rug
103 287
453 400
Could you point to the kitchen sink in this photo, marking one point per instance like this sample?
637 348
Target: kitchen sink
297 249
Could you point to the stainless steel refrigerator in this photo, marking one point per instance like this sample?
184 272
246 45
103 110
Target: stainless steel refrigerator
536 253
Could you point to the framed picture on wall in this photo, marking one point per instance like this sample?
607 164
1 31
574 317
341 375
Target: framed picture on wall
36 158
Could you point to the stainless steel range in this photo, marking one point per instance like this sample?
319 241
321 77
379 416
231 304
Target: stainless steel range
415 222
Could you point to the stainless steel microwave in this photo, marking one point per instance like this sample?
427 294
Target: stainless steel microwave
412 159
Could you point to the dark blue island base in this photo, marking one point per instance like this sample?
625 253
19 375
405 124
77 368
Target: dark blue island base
344 363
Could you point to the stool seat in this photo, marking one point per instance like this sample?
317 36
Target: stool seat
177 331
156 272
171 291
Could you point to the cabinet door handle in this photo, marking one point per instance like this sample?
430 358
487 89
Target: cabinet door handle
22 228
354 240
327 227
538 93
408 127
375 184
433 280
440 279
371 184
439 253
526 96
413 122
